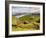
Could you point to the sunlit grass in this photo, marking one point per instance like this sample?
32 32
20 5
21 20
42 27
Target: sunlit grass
25 23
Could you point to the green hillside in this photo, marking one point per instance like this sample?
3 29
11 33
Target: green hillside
29 18
27 22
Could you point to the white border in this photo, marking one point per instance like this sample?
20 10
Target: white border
25 32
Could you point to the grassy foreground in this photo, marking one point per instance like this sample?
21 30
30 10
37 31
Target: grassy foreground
25 23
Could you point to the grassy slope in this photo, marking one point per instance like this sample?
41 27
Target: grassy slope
31 25
29 18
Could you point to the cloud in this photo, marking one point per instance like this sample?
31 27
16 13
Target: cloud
16 10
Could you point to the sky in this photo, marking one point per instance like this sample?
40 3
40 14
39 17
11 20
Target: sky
16 10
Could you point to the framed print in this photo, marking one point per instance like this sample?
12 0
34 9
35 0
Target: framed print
24 18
